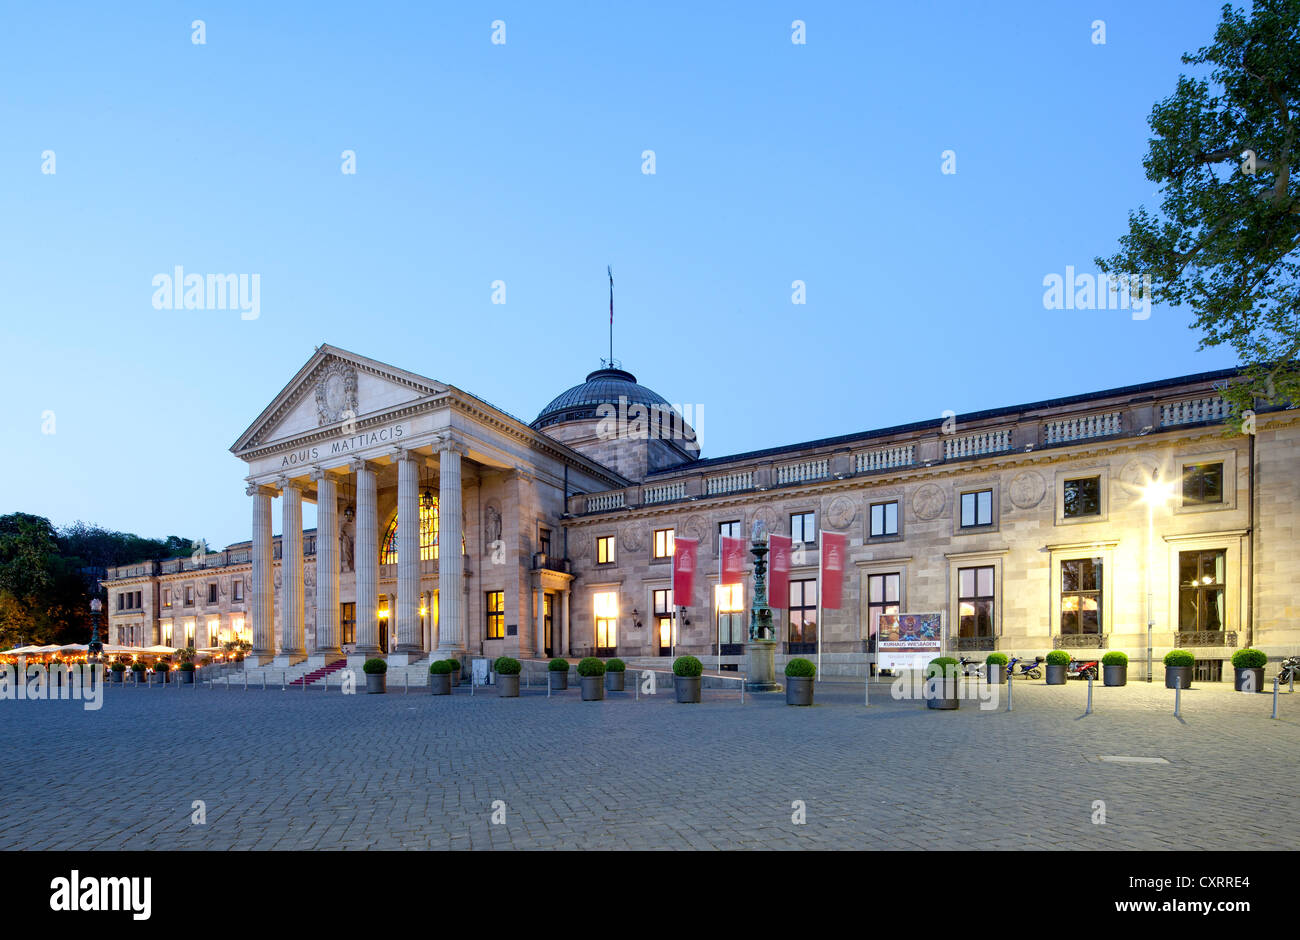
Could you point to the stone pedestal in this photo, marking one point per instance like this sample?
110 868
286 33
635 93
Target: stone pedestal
760 666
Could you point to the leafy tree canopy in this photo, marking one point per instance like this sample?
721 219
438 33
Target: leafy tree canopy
1226 240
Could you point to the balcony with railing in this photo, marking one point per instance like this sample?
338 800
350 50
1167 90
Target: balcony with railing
803 472
664 492
736 482
604 502
1083 427
1193 411
977 444
884 458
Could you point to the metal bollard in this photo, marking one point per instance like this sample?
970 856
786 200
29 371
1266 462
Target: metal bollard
548 683
1178 694
406 681
638 688
1088 710
866 689
1275 696
284 681
1010 683
245 681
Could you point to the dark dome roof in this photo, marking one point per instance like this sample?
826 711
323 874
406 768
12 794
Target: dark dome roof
604 386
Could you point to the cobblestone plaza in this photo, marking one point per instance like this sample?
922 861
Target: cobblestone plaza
321 770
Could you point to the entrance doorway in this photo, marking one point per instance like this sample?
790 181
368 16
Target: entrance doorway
548 622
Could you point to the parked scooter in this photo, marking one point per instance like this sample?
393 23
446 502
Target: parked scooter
1020 668
1290 669
1082 669
971 667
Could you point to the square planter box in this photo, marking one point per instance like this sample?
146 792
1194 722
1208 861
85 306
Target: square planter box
440 684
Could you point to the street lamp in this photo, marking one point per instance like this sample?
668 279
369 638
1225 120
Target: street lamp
1155 492
95 648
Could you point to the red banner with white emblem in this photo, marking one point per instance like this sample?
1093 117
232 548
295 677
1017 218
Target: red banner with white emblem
733 561
685 557
834 553
778 592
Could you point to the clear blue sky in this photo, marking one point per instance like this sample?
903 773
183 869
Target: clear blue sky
522 162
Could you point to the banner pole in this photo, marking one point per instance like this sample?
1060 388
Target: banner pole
821 560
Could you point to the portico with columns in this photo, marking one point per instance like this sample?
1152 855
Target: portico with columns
432 506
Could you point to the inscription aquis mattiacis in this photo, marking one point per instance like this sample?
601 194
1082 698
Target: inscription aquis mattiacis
346 445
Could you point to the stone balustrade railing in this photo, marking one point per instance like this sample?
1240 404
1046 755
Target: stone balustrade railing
1193 411
729 483
1082 427
884 458
803 472
604 502
973 445
664 492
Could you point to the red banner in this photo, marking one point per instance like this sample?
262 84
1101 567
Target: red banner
685 556
834 554
733 561
778 591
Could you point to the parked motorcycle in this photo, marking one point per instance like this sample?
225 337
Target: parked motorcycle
1082 669
1290 669
971 667
1021 668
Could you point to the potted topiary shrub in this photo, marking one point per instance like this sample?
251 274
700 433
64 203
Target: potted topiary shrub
1248 664
507 671
1114 669
941 683
376 671
799 675
137 670
439 677
1178 669
995 668
615 671
557 671
686 678
455 671
185 672
592 671
160 670
119 671
1058 661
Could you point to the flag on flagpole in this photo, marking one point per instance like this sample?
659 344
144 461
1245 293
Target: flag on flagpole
779 547
834 549
731 570
685 556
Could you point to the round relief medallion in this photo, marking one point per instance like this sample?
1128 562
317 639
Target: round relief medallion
632 538
928 502
840 512
1027 489
1134 477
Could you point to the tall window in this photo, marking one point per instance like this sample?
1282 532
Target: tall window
882 598
189 595
976 509
730 529
605 550
1081 597
663 543
544 541
1081 497
665 620
212 593
348 622
496 615
237 589
975 601
167 598
1201 576
429 525
803 528
606 609
801 615
884 519
729 604
1202 483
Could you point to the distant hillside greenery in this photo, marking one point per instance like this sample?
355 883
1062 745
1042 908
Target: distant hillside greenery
48 576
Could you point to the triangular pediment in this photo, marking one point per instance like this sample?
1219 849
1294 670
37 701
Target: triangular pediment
335 386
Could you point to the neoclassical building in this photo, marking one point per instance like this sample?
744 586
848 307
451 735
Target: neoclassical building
447 527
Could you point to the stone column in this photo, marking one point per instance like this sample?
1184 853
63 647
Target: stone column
328 647
539 621
293 639
262 586
408 556
365 561
451 566
566 602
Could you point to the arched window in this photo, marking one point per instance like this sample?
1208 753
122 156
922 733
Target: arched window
428 533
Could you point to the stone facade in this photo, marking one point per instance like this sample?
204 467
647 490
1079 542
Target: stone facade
1050 490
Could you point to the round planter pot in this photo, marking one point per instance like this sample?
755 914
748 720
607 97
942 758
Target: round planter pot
139 678
559 680
439 683
593 688
941 694
1248 680
995 673
1114 675
161 677
798 690
507 686
376 683
688 688
614 681
455 677
117 676
1183 675
187 676
1056 674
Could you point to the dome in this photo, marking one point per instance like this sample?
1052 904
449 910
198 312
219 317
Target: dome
604 386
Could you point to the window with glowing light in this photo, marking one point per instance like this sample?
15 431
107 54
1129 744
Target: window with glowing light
496 615
605 550
605 606
1081 597
801 613
1201 579
429 527
729 606
665 616
882 598
663 543
975 601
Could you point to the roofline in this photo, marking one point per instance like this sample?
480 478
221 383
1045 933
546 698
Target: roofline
930 423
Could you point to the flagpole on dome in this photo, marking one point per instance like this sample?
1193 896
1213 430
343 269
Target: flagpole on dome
610 270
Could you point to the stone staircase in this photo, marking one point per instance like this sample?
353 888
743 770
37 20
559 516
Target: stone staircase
311 678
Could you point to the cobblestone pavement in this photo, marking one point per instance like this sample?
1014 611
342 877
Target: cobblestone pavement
323 770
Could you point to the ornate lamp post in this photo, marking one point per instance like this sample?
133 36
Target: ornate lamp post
96 648
760 651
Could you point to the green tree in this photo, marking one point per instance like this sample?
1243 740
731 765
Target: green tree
1226 240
